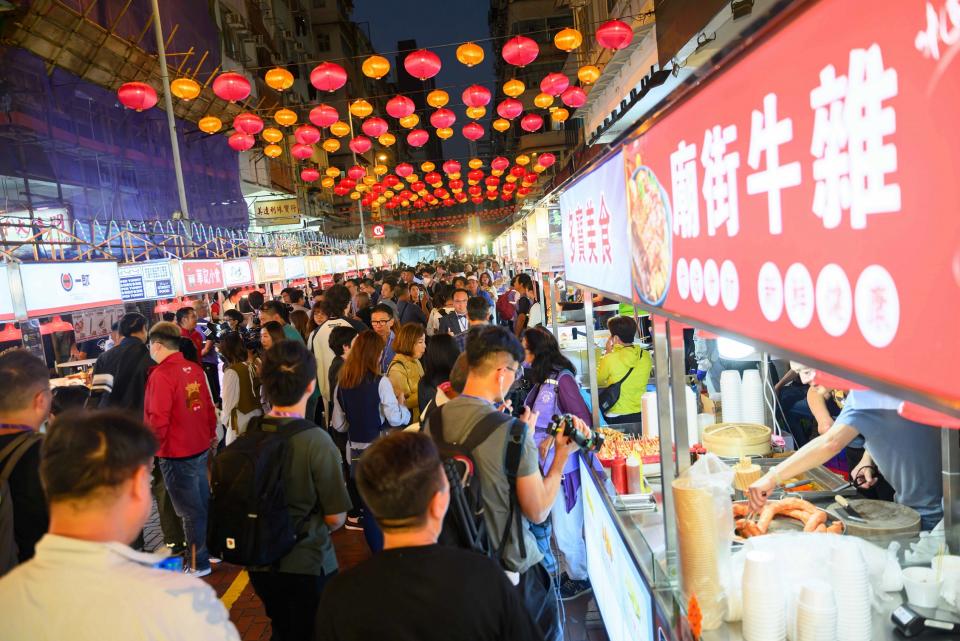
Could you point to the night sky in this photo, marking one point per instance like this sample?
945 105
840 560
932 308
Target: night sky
432 23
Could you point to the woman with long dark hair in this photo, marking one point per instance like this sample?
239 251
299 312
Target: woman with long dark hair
556 392
365 406
240 391
442 352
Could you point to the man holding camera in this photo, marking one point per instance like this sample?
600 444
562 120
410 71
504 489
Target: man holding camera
493 361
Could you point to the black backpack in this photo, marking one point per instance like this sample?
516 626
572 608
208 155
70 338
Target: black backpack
464 525
9 458
248 522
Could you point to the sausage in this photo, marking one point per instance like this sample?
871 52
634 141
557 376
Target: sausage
798 504
836 527
769 511
741 509
817 518
821 528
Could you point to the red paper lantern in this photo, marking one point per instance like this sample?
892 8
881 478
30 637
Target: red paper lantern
360 145
306 134
492 181
301 151
137 95
507 188
614 34
328 76
248 123
422 64
374 127
340 190
404 169
451 167
442 118
241 141
356 172
531 122
231 87
546 159
417 138
400 107
520 51
530 177
473 131
418 186
324 115
476 96
509 108
574 97
518 171
499 163
309 174
348 183
392 181
456 184
477 200
474 190
523 191
554 84
433 178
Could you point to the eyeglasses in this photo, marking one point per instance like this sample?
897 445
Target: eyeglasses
512 369
379 322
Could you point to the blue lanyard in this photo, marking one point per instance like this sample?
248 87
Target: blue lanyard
15 426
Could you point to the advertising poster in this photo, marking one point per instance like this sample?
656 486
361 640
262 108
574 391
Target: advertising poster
625 601
268 269
294 267
595 244
57 288
146 281
95 323
237 273
201 276
816 209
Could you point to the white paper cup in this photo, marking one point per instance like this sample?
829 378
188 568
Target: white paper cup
923 586
949 567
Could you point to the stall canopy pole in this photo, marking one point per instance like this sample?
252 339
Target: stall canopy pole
950 446
591 357
168 104
678 379
554 308
661 363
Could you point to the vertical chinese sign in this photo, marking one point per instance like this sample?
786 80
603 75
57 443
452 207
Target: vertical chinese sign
807 196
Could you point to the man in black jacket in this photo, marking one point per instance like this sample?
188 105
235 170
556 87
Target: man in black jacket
457 322
129 362
407 310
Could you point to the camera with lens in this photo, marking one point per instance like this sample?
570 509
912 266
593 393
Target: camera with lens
564 425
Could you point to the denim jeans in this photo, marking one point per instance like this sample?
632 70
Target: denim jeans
187 486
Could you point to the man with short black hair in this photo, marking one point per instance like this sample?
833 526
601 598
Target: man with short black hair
457 323
187 321
24 406
314 491
296 299
529 312
493 359
179 410
129 363
478 317
407 310
382 320
414 588
387 293
96 472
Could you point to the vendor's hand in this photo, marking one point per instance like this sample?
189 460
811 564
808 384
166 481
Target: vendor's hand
759 490
824 426
545 446
864 469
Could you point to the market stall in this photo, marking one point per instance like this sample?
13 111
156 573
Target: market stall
725 209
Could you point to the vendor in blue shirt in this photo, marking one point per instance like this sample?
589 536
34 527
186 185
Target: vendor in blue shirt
906 452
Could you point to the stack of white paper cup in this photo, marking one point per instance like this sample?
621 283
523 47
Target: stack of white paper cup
816 612
764 604
730 395
751 397
851 587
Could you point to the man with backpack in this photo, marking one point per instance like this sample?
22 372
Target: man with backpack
24 406
278 493
529 310
507 305
415 588
506 462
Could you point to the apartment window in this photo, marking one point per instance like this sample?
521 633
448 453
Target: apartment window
323 41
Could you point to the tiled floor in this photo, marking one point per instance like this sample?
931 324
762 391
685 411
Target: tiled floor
247 613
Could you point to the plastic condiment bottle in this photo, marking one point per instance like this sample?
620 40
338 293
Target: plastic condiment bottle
634 469
618 474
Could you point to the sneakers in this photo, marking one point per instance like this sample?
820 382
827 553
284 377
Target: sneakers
214 560
199 572
354 523
570 588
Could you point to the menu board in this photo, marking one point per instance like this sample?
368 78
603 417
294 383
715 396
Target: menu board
201 276
146 281
595 243
815 210
294 267
237 273
6 300
363 261
343 264
625 601
95 323
314 265
268 269
57 288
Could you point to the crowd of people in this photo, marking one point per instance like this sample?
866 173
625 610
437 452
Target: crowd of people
348 398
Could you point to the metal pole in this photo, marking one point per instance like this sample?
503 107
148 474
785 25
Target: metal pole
678 384
363 235
591 357
950 445
661 360
554 308
168 103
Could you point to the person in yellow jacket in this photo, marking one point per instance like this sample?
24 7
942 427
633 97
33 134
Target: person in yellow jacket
621 357
405 370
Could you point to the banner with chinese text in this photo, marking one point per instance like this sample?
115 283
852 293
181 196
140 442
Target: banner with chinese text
57 288
201 276
595 244
807 196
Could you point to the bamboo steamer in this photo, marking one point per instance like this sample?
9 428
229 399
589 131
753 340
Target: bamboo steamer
745 474
733 440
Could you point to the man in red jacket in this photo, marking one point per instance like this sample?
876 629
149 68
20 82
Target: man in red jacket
179 409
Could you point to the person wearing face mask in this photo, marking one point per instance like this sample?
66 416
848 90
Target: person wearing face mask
24 406
95 468
179 409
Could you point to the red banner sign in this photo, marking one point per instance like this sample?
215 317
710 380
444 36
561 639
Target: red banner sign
379 231
807 196
201 275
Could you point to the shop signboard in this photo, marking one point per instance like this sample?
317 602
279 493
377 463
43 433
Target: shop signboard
58 288
237 273
268 269
815 210
6 300
285 211
363 261
198 276
146 281
624 599
595 243
379 231
314 265
90 324
342 264
294 267
21 226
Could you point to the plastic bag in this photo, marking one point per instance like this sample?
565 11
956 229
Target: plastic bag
704 514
